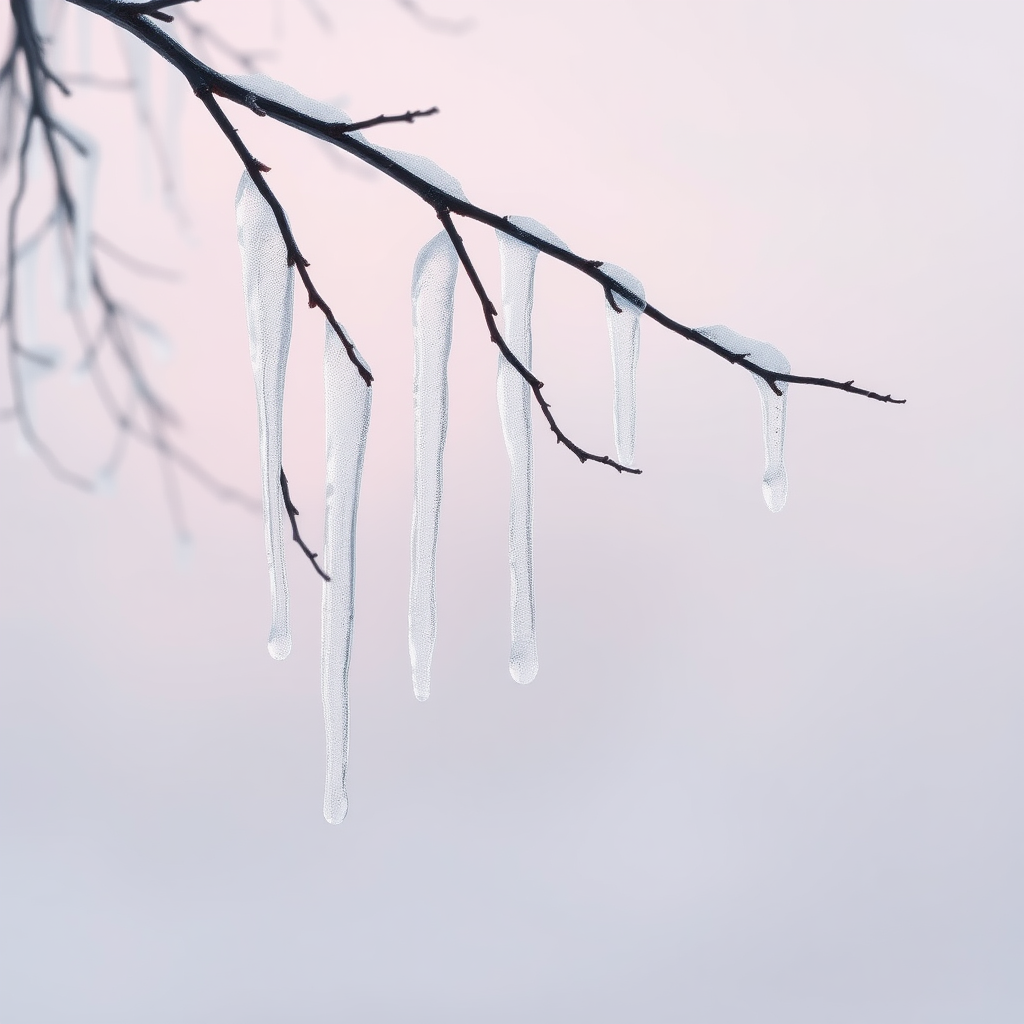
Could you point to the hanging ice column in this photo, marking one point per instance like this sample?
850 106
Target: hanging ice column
347 408
269 283
433 293
624 332
775 485
515 399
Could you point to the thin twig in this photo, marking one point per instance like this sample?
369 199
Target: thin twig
203 78
490 315
293 513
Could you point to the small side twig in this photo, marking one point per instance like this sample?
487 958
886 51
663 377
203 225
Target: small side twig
490 314
257 171
293 513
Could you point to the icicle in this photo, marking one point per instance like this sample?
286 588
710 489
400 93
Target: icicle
775 485
433 292
624 332
269 284
347 408
518 264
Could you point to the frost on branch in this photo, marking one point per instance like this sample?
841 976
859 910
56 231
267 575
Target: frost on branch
269 88
433 293
624 332
515 403
347 410
269 285
263 86
775 485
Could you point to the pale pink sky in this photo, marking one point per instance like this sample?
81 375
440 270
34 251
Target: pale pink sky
771 768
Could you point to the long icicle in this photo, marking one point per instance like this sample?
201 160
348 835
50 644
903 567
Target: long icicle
347 408
433 293
515 406
268 282
775 483
624 332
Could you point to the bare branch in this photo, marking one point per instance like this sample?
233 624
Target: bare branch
256 171
204 79
490 314
409 116
293 513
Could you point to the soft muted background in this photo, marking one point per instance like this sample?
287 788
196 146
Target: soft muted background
771 770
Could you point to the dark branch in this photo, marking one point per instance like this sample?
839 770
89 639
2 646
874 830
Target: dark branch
293 513
155 8
114 334
203 78
409 116
295 258
490 314
131 262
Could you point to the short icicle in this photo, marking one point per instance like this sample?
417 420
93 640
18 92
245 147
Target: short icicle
347 409
433 293
624 332
269 284
775 484
515 398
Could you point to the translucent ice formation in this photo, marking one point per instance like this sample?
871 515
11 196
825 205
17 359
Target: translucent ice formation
269 285
518 264
271 89
433 292
624 332
347 408
775 485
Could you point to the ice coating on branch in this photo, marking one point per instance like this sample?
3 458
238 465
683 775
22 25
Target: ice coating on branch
624 333
515 397
422 167
433 292
271 89
269 284
775 485
347 409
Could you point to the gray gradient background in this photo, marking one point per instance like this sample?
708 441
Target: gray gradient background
771 770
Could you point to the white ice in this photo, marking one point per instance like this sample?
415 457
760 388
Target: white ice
775 485
347 409
270 88
518 265
433 293
269 285
624 333
279 92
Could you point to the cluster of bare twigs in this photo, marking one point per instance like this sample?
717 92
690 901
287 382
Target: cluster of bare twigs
105 326
27 90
